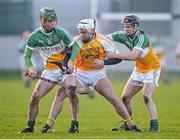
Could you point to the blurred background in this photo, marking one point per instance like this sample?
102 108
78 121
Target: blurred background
159 18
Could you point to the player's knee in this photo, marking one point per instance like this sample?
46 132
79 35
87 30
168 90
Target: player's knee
125 98
35 99
147 99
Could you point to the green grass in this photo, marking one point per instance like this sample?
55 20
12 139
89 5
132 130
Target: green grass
96 116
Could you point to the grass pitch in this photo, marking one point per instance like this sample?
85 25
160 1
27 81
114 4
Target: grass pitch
97 116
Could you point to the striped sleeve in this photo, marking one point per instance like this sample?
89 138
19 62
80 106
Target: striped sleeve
140 45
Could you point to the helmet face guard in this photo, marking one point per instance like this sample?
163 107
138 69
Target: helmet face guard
47 13
89 26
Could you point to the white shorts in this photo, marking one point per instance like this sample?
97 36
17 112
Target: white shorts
89 77
139 79
54 75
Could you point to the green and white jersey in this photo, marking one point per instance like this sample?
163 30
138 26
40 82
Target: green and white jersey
51 46
148 60
139 41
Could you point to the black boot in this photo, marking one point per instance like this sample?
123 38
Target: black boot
74 127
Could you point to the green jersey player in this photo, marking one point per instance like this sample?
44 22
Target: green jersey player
54 44
147 68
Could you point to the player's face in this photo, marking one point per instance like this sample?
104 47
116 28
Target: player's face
49 25
85 34
129 29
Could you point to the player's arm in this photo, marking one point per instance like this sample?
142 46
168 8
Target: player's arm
109 48
67 57
99 64
130 56
27 57
70 57
73 47
136 52
116 36
72 50
112 61
75 52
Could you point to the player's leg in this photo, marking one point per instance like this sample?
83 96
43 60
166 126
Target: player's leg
41 89
133 85
55 110
58 104
71 87
104 87
128 92
148 90
150 83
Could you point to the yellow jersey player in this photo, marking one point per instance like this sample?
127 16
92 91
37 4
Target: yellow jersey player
93 48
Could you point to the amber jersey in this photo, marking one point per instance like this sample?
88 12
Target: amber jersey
95 49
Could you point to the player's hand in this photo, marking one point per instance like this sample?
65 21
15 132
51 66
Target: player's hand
32 73
111 55
99 64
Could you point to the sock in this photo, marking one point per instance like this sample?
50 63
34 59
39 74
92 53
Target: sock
51 122
74 122
129 122
154 124
31 124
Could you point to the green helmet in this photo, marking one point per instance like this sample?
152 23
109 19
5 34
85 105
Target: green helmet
130 19
47 13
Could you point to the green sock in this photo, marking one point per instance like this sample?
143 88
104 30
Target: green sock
154 125
76 123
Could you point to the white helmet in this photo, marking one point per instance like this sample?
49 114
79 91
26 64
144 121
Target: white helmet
87 24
